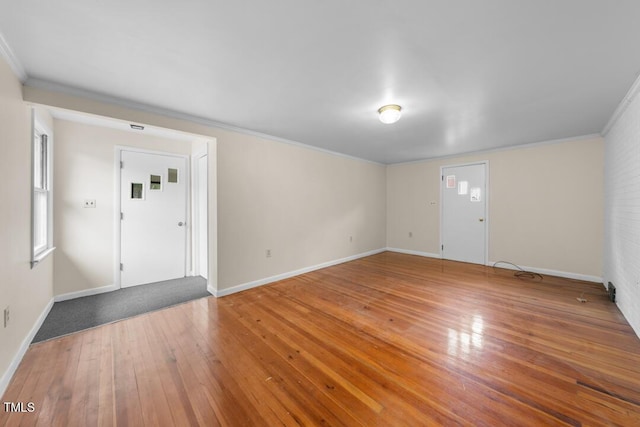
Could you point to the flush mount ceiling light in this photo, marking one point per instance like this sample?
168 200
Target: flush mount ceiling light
390 113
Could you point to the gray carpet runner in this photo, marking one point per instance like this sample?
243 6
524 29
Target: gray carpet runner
83 313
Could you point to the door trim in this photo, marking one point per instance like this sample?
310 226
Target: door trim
117 208
195 188
486 205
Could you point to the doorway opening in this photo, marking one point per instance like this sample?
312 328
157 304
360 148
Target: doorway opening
162 215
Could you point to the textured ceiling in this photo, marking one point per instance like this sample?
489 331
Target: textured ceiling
470 75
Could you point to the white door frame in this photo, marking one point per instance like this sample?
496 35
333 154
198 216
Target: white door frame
486 205
117 204
212 217
195 188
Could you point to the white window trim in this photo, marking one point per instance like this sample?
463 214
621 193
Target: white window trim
41 252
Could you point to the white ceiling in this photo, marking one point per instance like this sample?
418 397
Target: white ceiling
470 75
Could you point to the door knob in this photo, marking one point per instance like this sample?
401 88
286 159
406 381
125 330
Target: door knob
180 224
481 219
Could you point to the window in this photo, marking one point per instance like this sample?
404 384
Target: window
137 190
41 209
172 175
156 182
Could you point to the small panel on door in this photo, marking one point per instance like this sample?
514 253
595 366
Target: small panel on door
137 190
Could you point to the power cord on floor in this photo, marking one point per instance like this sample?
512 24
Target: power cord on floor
520 273
524 274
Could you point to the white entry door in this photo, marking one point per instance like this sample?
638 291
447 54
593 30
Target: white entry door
464 222
153 196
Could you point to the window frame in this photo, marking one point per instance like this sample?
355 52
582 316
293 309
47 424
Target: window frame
42 161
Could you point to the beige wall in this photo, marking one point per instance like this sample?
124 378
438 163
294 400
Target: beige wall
545 201
302 204
27 291
545 205
84 165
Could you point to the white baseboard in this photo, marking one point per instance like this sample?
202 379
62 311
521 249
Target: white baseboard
260 282
13 366
410 252
548 272
210 288
256 283
85 293
565 274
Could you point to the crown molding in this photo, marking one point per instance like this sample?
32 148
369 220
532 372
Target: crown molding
7 53
622 107
132 105
506 148
108 99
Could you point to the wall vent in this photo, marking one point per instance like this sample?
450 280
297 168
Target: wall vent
611 290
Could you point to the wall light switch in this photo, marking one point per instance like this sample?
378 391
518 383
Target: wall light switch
89 203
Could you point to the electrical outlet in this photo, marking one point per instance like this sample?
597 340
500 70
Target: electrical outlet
89 203
611 290
268 253
7 316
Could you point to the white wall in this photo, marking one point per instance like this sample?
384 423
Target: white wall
622 208
545 206
84 165
26 291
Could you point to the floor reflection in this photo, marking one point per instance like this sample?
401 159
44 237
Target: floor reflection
467 339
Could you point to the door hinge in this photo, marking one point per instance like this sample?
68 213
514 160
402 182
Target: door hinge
121 164
121 267
121 216
442 177
442 247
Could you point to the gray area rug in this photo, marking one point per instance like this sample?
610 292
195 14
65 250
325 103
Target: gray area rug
87 312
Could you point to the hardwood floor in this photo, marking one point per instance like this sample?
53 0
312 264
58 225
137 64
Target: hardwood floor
388 340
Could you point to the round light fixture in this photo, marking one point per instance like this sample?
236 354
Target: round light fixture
390 113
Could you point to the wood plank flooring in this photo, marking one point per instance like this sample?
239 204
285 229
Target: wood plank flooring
387 340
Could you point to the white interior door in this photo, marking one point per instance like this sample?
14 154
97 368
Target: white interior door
464 222
153 196
201 215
